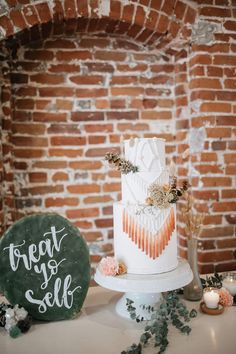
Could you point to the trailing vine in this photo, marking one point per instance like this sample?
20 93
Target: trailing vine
171 311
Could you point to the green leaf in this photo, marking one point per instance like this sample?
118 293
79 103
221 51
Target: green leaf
129 301
158 339
134 349
164 342
143 338
147 328
162 349
193 313
186 329
180 305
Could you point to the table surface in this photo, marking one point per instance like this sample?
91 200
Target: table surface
98 329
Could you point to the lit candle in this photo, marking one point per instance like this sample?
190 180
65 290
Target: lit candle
229 283
211 298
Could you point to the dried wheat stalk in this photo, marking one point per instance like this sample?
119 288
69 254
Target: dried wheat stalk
193 221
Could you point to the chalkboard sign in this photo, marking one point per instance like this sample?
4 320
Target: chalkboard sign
44 266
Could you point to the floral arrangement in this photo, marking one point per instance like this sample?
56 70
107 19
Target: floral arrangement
193 221
14 319
161 196
111 267
215 281
226 299
120 164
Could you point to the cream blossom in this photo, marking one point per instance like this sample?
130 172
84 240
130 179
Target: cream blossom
226 299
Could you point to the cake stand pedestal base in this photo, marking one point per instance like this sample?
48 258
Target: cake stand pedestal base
145 289
139 300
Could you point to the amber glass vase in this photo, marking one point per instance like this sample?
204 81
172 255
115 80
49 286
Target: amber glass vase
193 291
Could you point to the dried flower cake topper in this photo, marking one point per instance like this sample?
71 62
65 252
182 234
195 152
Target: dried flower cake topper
120 164
161 196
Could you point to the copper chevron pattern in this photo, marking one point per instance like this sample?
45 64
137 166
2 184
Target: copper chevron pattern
152 244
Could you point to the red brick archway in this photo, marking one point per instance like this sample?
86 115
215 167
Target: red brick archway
167 19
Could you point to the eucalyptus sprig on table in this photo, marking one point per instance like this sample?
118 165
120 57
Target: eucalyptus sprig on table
171 311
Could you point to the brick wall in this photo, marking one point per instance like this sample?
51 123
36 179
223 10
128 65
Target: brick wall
80 76
74 102
205 131
7 210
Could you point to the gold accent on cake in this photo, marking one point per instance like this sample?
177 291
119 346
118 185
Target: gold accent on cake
153 244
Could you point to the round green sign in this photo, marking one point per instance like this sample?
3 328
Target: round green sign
44 267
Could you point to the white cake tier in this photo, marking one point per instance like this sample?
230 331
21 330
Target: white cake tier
147 154
145 238
135 185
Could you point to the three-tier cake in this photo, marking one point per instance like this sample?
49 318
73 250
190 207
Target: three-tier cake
145 235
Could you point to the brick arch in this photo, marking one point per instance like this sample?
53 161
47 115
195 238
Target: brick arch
158 24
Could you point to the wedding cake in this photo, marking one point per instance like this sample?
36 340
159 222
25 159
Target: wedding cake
144 220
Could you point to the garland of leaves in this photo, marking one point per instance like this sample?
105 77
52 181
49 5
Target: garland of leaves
171 311
120 164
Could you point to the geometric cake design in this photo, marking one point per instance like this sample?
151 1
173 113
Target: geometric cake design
151 243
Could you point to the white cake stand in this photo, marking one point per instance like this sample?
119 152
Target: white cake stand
145 289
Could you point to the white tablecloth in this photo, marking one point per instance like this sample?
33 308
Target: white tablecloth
98 330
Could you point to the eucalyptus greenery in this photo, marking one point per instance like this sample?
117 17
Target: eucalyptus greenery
214 281
171 311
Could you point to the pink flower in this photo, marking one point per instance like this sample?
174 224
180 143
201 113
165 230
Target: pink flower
226 299
109 266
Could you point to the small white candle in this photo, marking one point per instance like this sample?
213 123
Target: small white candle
211 299
230 284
